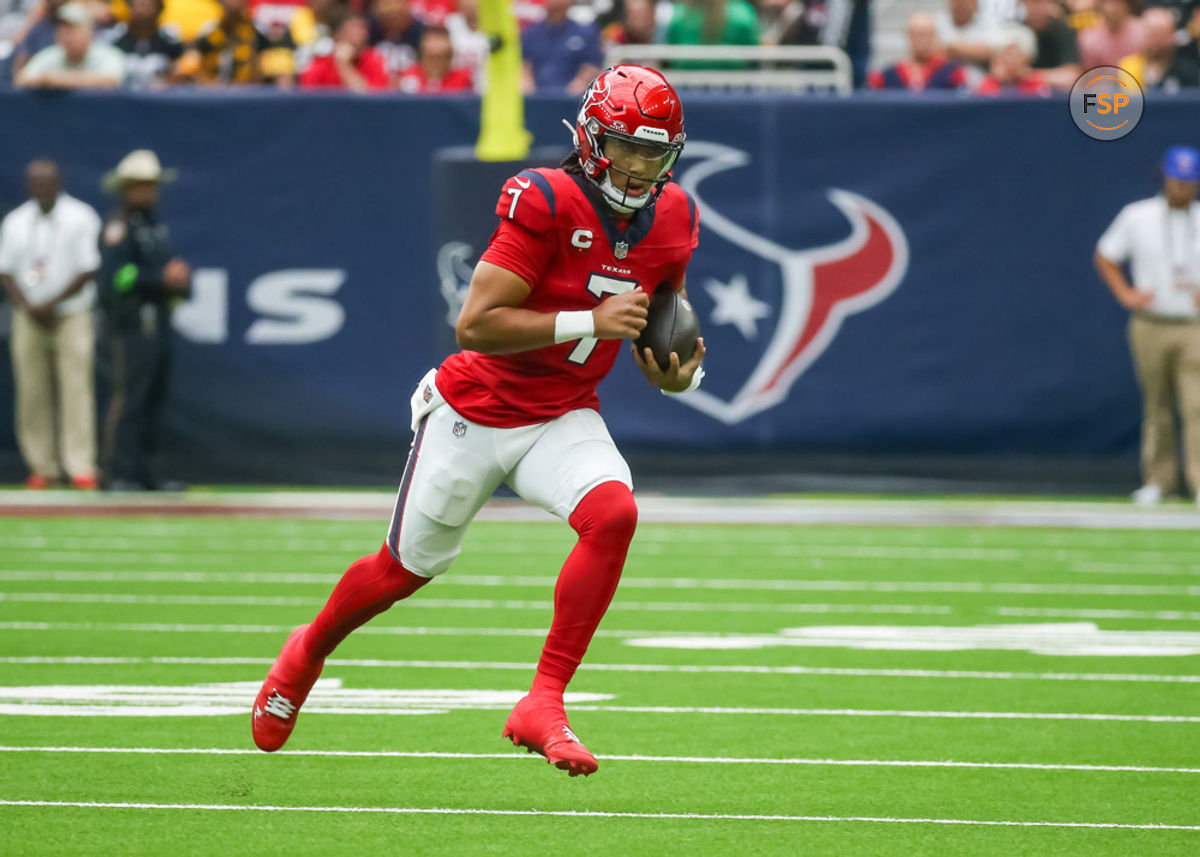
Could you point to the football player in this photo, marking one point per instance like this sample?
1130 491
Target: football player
566 276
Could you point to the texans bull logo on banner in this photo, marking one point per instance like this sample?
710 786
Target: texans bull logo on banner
769 311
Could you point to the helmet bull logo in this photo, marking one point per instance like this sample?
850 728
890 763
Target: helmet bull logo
821 286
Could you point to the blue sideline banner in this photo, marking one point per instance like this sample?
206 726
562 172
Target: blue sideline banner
876 275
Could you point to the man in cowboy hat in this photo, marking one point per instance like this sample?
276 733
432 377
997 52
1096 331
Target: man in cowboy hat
48 261
140 282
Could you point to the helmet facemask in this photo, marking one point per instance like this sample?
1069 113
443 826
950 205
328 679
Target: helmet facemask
640 163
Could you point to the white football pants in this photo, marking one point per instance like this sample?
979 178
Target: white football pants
455 465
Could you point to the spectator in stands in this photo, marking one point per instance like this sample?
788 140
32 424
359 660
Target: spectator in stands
1161 64
314 36
1057 53
49 254
77 60
1082 14
285 24
434 70
352 64
1011 71
434 11
228 51
1119 34
926 67
396 34
185 19
776 19
150 52
1187 18
712 22
1160 239
560 54
638 25
969 37
471 47
844 24
39 35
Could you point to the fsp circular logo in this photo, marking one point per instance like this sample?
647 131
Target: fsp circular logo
1106 102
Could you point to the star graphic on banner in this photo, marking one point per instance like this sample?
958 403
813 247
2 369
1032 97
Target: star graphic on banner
736 306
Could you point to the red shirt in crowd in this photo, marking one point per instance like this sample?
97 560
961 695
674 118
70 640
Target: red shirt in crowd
324 71
1031 84
413 79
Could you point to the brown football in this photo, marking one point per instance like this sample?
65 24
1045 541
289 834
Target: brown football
671 325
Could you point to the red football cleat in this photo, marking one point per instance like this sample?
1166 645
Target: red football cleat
84 483
282 694
539 724
37 483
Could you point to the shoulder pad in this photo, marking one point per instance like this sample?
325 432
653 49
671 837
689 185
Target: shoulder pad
528 200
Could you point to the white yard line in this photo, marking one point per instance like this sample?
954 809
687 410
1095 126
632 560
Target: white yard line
737 669
1102 559
618 605
696 760
466 603
628 581
663 816
859 712
1065 613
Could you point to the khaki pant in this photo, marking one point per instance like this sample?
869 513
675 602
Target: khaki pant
56 404
1166 356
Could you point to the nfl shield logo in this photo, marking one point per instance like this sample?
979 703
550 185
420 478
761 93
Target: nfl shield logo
621 250
460 428
427 394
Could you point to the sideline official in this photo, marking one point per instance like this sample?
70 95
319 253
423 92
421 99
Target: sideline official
140 282
1160 238
48 260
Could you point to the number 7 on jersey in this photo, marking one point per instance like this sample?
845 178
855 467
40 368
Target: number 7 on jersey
599 286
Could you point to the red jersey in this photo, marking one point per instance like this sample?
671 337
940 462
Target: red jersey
559 236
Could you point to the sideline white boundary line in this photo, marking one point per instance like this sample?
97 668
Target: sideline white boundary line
748 669
697 760
664 816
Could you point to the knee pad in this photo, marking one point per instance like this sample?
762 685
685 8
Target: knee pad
607 511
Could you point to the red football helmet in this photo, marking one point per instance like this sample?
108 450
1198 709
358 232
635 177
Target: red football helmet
630 122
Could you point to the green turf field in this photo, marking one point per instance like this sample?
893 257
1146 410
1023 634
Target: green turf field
755 690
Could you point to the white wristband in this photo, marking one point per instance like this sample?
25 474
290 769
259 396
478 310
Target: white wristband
696 379
573 325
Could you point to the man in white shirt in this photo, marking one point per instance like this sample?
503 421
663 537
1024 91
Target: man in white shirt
49 253
77 60
1160 238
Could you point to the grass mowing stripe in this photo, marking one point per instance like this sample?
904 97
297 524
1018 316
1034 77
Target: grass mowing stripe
629 582
748 669
144 627
469 603
692 816
799 545
618 605
696 760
